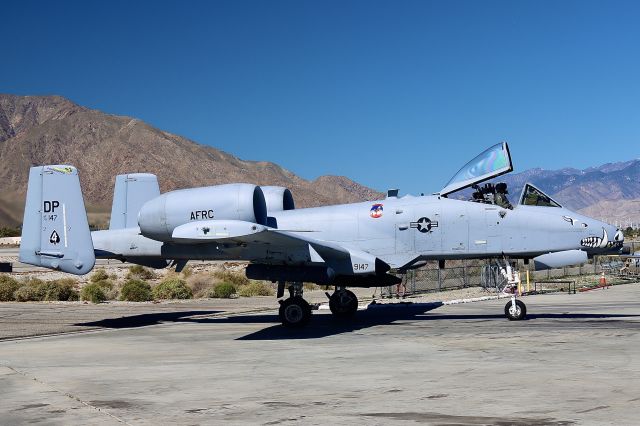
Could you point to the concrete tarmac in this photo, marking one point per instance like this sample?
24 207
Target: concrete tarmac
574 361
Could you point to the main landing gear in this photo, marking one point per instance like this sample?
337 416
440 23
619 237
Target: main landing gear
296 312
343 303
515 309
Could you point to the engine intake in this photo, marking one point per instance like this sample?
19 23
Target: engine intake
278 198
239 201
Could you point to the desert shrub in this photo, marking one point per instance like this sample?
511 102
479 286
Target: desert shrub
172 288
32 281
311 286
61 289
223 290
187 272
26 293
135 291
109 289
236 278
10 232
8 286
98 275
200 284
93 293
255 288
139 272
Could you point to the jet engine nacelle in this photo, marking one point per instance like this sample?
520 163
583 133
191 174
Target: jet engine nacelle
239 201
560 259
278 198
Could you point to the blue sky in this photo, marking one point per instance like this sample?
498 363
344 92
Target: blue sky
391 94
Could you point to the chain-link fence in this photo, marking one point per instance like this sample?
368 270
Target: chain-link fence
432 278
486 273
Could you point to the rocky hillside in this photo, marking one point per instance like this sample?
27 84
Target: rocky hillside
51 129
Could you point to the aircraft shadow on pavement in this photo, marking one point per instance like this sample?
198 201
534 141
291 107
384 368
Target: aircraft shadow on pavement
324 325
144 320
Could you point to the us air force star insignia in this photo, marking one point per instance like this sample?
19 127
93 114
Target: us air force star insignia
424 224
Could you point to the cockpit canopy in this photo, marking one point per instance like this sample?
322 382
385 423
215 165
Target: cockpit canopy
491 163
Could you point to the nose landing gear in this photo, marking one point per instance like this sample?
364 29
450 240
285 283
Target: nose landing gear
515 309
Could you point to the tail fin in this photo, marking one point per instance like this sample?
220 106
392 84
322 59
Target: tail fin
55 231
130 193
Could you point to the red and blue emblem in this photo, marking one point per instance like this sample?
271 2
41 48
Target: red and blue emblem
376 211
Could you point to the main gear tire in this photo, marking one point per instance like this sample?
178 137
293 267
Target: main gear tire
294 312
343 303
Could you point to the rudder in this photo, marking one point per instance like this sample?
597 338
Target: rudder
55 230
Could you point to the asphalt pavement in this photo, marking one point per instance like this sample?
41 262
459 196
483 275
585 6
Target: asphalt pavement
574 361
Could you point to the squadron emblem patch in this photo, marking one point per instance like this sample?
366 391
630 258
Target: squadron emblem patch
376 211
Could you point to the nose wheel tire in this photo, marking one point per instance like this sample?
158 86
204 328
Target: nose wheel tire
517 312
294 312
343 303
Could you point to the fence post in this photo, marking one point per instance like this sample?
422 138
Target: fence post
464 275
439 279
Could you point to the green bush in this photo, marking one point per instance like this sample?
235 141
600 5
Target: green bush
236 278
139 272
172 288
8 286
33 289
58 290
98 275
93 292
9 232
135 291
26 293
108 288
255 288
223 290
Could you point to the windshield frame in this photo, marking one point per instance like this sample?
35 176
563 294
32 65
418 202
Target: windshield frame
522 195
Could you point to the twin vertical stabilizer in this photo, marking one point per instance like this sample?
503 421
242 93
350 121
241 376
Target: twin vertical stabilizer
55 230
130 193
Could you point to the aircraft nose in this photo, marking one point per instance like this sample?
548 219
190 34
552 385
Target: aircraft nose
603 237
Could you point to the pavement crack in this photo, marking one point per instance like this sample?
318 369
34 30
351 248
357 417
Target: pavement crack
67 394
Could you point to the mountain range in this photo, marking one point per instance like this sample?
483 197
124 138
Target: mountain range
609 192
53 130
37 130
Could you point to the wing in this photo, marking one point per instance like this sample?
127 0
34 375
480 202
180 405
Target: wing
281 247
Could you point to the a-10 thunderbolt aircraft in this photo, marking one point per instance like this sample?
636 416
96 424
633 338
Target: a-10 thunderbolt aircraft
344 245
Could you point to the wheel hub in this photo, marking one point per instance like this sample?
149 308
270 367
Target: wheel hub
293 313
